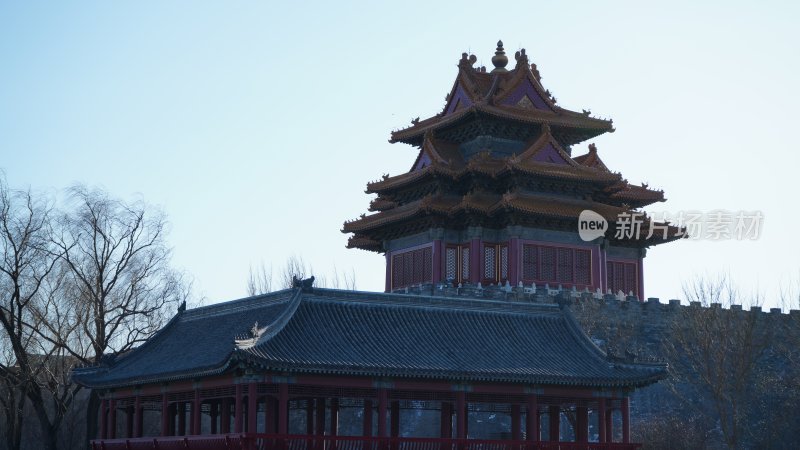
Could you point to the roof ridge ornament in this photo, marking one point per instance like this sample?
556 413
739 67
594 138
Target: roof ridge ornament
255 334
306 285
467 61
536 73
500 60
521 57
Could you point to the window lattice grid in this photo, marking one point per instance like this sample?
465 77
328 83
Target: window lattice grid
465 263
427 265
616 277
530 262
418 266
565 268
630 279
408 269
412 268
397 270
583 267
504 262
548 264
489 269
451 263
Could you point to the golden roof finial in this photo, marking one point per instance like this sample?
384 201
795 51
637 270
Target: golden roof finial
500 60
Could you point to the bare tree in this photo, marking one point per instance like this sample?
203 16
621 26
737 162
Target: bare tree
92 282
26 260
119 286
343 280
715 355
259 281
262 279
120 280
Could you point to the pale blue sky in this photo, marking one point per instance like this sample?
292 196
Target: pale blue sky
256 126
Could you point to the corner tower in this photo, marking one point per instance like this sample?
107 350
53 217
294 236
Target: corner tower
494 194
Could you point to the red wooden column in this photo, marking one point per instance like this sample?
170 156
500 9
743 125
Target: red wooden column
446 421
164 415
382 406
640 279
238 413
310 417
129 421
225 416
213 413
604 270
112 419
598 272
367 428
180 410
320 422
461 413
395 419
626 420
271 415
138 415
582 424
515 423
252 408
609 425
601 418
103 419
388 271
438 261
532 424
283 408
554 417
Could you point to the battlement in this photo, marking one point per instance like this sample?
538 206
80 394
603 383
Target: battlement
550 295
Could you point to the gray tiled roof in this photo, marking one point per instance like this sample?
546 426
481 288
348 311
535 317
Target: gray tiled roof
374 334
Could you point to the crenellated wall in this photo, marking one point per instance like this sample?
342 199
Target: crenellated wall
630 307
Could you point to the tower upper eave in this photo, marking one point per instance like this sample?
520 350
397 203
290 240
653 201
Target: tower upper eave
515 98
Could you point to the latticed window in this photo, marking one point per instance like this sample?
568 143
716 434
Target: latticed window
622 276
451 263
489 266
397 270
408 268
464 263
548 264
495 263
412 267
457 263
562 265
630 279
565 265
503 262
530 262
583 267
417 265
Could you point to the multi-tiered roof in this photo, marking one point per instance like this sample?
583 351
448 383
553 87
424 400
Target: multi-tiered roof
499 154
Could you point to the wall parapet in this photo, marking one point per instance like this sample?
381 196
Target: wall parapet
550 295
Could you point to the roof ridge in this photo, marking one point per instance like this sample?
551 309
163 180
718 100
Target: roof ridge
233 305
433 301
